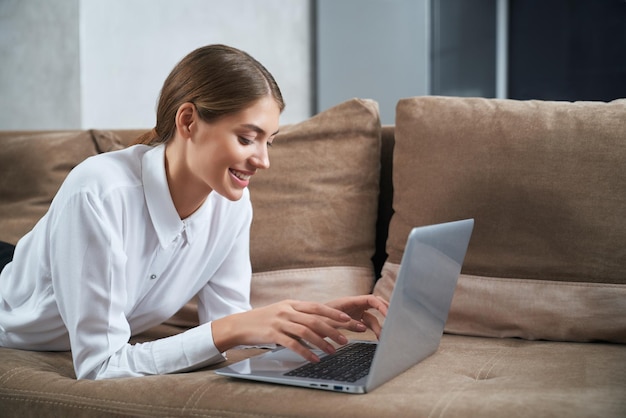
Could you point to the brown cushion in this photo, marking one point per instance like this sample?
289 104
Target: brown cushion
544 182
128 137
315 209
466 377
34 164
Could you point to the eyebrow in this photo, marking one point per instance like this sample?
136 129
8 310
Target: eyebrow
256 129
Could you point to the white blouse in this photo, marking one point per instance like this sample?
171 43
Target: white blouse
112 258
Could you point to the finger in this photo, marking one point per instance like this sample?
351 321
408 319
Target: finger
321 310
356 326
372 323
302 335
378 303
355 305
317 328
382 305
296 346
303 320
322 320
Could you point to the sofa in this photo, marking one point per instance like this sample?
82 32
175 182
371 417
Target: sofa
537 326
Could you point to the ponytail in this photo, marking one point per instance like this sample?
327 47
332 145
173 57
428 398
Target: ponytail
149 138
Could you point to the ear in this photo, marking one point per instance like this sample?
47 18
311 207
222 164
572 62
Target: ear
185 118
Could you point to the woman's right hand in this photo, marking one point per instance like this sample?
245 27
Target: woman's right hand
288 323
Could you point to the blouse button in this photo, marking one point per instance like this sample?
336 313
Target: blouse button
152 276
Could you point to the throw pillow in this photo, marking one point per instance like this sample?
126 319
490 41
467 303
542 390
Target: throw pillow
315 209
34 164
543 181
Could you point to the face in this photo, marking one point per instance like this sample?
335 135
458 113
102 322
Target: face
223 155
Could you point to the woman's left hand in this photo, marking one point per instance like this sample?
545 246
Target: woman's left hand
357 307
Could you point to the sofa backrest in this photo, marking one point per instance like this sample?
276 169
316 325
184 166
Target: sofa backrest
33 166
543 180
544 183
315 211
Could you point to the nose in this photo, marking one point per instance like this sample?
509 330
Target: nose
261 158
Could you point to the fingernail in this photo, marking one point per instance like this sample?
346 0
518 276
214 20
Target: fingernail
345 316
361 326
342 339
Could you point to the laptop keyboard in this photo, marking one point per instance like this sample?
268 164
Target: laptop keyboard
348 364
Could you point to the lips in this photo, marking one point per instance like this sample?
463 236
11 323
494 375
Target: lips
240 177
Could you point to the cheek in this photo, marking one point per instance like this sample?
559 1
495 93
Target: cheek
216 157
232 153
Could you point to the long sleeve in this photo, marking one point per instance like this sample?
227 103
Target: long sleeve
90 286
112 258
228 291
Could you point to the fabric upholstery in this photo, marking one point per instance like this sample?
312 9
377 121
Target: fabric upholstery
543 182
315 208
467 377
34 164
127 137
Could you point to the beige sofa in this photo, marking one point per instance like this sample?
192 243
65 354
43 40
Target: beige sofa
538 321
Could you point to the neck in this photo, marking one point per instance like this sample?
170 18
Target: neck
186 194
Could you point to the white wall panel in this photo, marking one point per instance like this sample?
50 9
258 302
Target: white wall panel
71 64
39 64
129 46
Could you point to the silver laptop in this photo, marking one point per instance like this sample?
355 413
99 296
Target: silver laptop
412 330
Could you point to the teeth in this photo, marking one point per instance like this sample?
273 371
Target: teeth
241 175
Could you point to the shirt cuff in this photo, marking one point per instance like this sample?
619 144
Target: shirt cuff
195 349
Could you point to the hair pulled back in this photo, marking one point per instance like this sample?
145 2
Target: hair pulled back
219 80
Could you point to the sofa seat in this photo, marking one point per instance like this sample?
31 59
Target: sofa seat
467 376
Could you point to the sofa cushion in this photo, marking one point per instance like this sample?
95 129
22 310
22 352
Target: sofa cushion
34 164
544 182
467 377
314 226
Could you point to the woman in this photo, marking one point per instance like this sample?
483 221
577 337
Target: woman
132 235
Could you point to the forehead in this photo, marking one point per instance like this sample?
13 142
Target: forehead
262 116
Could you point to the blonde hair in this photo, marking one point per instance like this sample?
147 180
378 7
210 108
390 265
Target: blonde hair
218 80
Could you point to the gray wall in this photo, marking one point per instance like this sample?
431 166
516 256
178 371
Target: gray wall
40 70
377 49
72 64
129 46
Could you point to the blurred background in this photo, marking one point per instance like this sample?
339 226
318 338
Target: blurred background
78 64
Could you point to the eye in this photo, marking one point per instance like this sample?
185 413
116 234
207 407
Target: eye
269 144
245 141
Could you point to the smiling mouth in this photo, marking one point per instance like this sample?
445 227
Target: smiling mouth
240 175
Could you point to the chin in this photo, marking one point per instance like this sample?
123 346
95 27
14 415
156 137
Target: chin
233 196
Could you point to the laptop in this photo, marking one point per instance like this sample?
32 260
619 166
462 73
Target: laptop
412 330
